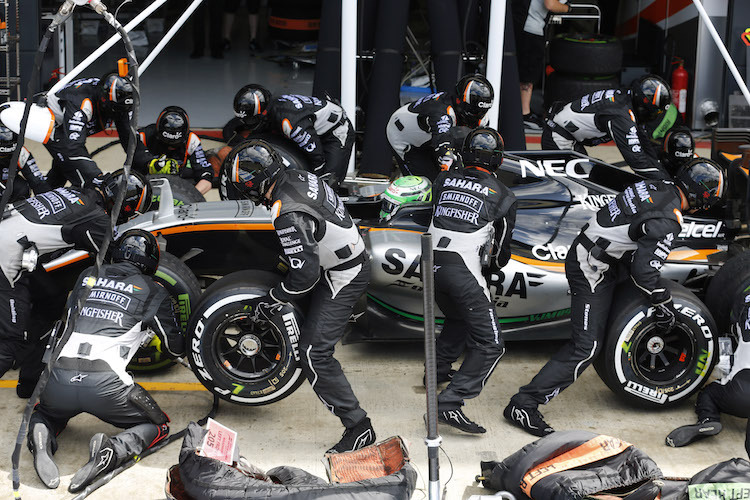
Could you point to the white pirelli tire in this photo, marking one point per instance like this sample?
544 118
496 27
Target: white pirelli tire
653 370
241 360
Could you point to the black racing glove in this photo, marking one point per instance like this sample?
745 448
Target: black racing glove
665 317
447 158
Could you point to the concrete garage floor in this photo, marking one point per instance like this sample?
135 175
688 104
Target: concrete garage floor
387 379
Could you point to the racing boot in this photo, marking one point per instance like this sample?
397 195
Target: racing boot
528 419
102 459
456 418
40 445
442 377
356 437
683 436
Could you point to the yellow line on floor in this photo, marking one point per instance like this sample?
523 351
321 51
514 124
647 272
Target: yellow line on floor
149 386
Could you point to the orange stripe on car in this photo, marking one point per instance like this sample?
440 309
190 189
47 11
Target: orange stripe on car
692 255
550 266
71 261
193 228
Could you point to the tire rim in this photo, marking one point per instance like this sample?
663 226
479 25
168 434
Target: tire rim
661 360
247 350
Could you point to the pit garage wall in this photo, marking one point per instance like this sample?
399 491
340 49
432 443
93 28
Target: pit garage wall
739 21
646 24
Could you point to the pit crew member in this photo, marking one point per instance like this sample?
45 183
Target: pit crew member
635 231
610 115
124 306
83 108
473 218
58 219
327 261
677 150
172 149
729 395
30 176
318 126
421 132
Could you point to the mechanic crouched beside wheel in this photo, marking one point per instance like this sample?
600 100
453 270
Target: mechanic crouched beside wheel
611 115
124 306
172 149
473 218
327 259
58 219
636 231
731 395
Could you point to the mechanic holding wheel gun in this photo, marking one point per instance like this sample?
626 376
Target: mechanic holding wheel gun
636 231
124 309
55 220
327 259
611 115
172 149
319 127
730 395
473 218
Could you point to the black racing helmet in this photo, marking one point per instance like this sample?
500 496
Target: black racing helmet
678 149
702 182
651 96
138 247
8 141
116 93
251 105
138 194
474 96
483 147
251 168
173 126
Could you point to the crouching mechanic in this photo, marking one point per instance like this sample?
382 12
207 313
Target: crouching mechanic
30 176
421 131
473 218
318 126
124 306
83 108
636 231
611 115
32 228
730 395
327 260
172 149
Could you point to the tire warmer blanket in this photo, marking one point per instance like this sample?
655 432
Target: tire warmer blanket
534 464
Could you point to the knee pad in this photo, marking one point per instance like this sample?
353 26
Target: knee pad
140 398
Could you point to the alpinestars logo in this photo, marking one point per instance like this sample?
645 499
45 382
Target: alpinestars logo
522 417
105 456
78 378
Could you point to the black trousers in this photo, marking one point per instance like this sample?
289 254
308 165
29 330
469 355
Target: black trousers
732 398
331 306
470 326
337 153
418 161
104 395
79 170
552 141
592 285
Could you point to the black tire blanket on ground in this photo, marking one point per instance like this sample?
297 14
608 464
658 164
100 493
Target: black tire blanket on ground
208 478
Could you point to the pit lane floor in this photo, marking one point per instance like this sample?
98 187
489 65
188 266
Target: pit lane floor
387 379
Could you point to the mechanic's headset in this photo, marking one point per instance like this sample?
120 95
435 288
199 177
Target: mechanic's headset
139 247
138 194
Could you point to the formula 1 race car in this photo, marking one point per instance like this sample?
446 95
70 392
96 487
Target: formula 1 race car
252 362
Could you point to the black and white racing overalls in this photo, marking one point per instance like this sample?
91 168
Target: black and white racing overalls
328 260
635 230
58 219
78 115
89 375
27 177
596 118
732 393
473 212
416 130
190 156
320 128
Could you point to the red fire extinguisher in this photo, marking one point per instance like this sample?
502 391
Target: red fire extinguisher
679 86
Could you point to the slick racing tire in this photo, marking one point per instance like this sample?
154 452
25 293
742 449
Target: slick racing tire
183 191
290 154
725 287
586 54
566 88
240 360
650 370
185 291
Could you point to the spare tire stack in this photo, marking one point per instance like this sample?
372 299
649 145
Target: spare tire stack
583 63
